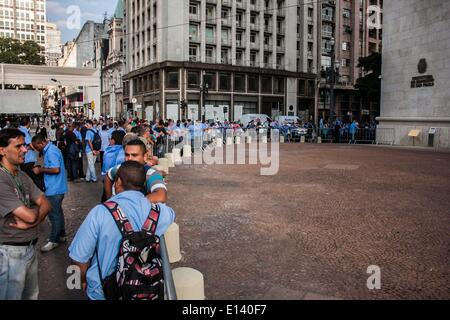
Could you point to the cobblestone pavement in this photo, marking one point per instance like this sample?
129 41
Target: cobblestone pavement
309 232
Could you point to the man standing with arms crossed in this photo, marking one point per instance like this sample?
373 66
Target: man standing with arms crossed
22 208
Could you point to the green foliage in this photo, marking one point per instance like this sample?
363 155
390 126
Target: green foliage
15 52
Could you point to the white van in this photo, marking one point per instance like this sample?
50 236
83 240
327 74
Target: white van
288 119
247 118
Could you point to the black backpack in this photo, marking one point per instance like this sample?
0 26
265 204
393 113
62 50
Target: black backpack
139 272
97 142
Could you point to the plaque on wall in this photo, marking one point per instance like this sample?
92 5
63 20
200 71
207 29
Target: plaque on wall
422 81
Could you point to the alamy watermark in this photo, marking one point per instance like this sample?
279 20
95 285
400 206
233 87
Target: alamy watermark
374 20
374 281
229 147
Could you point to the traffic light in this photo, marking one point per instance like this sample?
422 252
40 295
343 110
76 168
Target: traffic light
225 110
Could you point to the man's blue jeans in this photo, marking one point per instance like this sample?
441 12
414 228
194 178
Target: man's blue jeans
56 217
18 273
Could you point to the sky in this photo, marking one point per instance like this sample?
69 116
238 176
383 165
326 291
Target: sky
70 15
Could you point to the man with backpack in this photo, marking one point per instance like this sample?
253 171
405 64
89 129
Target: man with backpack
93 145
116 260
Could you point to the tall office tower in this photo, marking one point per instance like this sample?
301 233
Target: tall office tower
219 59
349 30
23 20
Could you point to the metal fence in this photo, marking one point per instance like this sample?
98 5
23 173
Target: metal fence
169 285
385 136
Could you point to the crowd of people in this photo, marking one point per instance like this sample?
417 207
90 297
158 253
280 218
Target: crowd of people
37 168
36 171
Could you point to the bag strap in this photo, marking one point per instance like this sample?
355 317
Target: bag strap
119 217
152 220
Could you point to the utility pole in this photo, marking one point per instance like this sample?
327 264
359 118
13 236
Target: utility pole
332 75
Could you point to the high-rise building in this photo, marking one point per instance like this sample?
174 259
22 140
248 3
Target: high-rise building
53 45
349 30
23 20
220 59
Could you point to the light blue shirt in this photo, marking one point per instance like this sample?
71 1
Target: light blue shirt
90 137
31 156
105 139
113 156
100 231
78 134
110 131
55 184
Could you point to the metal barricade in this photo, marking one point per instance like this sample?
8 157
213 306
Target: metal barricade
169 285
385 136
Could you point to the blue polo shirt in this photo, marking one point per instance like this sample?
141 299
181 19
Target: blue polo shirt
55 184
78 134
90 137
99 231
31 156
113 156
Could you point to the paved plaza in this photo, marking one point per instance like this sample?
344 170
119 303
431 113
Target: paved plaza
309 232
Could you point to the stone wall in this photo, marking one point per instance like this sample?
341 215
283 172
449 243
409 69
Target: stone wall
416 33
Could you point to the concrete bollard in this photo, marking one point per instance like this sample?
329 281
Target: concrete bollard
264 139
177 156
172 237
281 139
319 140
238 140
171 159
249 139
189 284
302 139
229 141
164 165
187 151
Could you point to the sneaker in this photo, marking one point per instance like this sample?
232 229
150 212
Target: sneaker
49 246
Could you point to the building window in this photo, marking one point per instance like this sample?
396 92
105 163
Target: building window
266 84
172 79
311 88
193 80
279 85
224 82
301 87
156 81
239 82
193 53
209 78
253 83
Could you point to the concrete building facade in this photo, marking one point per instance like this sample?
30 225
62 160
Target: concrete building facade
23 20
86 51
348 30
114 65
253 55
52 45
416 72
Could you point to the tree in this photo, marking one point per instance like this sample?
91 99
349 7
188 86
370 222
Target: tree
15 52
369 86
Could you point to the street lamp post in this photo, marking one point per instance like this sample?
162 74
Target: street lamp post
60 99
204 90
333 74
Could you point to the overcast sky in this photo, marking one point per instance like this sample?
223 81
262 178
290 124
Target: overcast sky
65 14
